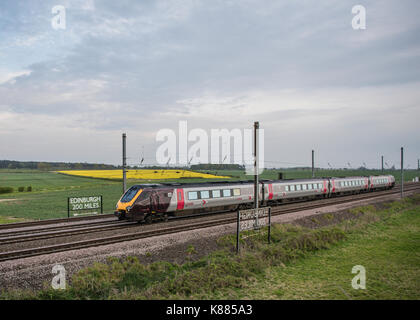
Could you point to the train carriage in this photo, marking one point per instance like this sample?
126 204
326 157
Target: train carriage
349 185
287 190
381 182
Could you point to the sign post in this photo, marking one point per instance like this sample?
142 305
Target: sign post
80 206
253 219
256 165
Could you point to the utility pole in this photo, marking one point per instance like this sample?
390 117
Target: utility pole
382 161
256 164
313 169
418 164
402 171
124 162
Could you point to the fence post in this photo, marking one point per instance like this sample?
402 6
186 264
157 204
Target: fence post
269 225
237 232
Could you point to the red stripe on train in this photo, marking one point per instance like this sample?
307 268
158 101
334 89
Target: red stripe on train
180 199
270 191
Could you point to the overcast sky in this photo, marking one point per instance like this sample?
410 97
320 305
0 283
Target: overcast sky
296 66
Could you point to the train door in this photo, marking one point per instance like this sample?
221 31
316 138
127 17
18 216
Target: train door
154 201
180 199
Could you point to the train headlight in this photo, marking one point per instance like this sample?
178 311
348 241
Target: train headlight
128 208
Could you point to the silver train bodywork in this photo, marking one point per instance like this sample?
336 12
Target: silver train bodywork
180 199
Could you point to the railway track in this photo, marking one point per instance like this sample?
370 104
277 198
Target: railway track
53 221
70 230
295 207
11 237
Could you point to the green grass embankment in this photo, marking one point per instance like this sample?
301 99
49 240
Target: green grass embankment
300 263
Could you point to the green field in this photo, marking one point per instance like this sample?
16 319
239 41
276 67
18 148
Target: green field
48 198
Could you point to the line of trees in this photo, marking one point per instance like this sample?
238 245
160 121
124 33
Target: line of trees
213 166
10 164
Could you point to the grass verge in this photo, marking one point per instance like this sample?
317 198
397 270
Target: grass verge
300 263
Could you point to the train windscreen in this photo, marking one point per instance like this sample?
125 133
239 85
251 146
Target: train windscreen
130 193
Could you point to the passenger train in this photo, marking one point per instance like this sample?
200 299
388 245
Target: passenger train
148 202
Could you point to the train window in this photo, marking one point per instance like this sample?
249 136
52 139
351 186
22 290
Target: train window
298 187
304 187
192 195
216 193
236 192
292 188
315 185
130 193
227 193
310 186
286 188
320 185
205 194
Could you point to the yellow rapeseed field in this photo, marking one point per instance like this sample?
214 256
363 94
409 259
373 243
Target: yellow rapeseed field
145 174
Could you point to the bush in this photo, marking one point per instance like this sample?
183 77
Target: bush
6 190
21 189
29 189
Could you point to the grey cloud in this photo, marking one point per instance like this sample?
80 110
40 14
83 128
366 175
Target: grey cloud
129 65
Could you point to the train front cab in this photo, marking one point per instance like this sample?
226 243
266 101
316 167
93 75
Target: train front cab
126 201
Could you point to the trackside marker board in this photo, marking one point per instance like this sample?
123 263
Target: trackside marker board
253 219
83 206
